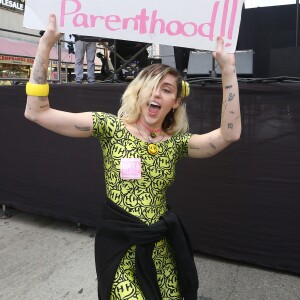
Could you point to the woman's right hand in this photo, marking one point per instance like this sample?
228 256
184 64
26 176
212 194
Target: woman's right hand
51 35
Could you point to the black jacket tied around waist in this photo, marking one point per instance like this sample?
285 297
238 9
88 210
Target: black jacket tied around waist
118 231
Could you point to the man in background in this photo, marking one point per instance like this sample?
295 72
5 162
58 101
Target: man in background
182 56
85 45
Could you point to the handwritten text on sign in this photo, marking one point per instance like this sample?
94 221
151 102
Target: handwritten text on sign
189 23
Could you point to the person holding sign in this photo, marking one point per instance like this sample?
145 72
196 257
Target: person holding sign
141 248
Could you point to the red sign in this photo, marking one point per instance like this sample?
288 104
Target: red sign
16 60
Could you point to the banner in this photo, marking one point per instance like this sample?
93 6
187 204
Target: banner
189 23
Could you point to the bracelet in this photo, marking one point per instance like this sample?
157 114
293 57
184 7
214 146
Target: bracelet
185 89
39 90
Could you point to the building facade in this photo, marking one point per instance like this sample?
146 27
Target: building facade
18 47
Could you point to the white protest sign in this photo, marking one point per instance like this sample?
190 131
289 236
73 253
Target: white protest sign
189 23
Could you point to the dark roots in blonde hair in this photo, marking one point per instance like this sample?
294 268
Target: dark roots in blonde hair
162 69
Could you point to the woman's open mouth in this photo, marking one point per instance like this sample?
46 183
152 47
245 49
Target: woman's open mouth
154 107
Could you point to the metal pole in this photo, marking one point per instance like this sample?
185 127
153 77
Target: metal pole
213 73
297 21
67 71
51 70
59 61
115 74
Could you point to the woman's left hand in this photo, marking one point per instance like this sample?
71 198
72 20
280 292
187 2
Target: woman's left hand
223 58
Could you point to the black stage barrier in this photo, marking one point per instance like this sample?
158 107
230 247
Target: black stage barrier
263 29
242 204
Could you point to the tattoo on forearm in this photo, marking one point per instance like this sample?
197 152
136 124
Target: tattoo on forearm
228 87
213 146
194 148
39 71
44 106
231 96
232 112
209 154
83 128
230 125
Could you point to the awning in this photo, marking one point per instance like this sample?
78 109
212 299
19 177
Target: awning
11 47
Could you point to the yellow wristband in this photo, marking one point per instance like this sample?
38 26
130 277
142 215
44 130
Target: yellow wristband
185 89
39 90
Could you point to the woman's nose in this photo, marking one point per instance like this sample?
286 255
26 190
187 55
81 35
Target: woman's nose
157 93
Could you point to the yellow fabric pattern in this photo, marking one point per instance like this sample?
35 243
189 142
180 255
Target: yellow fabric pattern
144 198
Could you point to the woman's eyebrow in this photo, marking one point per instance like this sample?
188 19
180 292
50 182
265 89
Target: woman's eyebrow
169 84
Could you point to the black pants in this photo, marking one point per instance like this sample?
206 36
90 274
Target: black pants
182 56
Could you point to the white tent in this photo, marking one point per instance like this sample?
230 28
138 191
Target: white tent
262 3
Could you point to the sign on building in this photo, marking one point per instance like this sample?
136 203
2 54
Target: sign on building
14 5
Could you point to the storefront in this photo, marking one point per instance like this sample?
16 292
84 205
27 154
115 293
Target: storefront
15 66
16 69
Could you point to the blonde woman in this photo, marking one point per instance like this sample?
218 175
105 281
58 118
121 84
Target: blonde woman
141 247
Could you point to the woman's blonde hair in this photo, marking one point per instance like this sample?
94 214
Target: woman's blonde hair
140 90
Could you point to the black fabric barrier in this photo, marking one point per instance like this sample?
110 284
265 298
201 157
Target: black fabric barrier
242 204
265 28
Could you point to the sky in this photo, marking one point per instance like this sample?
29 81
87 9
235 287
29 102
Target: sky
261 3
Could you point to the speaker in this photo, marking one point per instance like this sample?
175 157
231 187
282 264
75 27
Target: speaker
201 63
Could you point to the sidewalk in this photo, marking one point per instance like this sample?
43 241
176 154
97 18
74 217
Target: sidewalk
45 259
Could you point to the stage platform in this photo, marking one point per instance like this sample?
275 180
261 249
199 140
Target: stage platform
242 204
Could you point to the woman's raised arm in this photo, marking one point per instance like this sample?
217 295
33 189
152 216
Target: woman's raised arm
209 144
38 107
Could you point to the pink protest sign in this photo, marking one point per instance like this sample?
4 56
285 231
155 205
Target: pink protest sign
189 23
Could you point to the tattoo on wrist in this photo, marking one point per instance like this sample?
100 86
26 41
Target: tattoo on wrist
44 106
230 125
232 112
228 87
42 98
83 128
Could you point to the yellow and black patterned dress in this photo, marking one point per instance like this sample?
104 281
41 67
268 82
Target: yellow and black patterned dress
144 198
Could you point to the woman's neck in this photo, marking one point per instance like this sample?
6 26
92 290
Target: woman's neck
151 128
